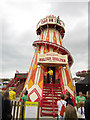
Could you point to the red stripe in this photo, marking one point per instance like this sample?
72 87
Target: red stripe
60 39
54 38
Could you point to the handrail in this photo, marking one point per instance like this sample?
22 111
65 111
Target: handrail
61 81
41 108
41 100
53 100
18 85
19 88
10 83
18 91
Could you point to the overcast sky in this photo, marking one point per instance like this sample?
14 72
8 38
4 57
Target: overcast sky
18 31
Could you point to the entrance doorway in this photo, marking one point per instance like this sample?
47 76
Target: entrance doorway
53 77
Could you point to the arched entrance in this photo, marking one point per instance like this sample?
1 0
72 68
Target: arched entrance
56 73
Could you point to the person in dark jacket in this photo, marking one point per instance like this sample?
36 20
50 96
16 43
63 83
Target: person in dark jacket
6 107
68 99
87 106
1 106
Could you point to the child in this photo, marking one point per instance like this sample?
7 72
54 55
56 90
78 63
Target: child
81 110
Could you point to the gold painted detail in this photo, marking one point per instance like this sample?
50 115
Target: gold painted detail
40 84
30 84
34 67
70 85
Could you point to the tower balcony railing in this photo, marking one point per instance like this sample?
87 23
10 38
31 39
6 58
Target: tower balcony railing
50 20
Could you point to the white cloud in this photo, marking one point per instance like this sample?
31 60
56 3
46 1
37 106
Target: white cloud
19 32
21 17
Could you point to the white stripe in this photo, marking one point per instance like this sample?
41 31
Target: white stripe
50 36
41 35
57 35
65 82
61 39
37 76
42 49
44 36
70 76
50 49
63 76
66 87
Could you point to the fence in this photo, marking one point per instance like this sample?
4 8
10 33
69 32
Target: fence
16 110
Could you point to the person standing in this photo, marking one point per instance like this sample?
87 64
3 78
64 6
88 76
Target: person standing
80 99
68 99
12 94
60 103
70 113
45 77
50 72
24 99
6 107
87 106
81 110
1 106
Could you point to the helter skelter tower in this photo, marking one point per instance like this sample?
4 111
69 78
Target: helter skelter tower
49 52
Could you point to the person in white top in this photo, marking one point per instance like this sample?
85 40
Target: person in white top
81 110
60 103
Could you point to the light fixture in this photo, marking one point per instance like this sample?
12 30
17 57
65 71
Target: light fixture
38 65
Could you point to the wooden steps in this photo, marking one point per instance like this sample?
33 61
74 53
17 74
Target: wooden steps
51 94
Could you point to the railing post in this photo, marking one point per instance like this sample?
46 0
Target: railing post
17 111
20 114
41 107
41 100
53 100
14 110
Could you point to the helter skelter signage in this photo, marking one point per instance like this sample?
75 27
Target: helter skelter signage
52 57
